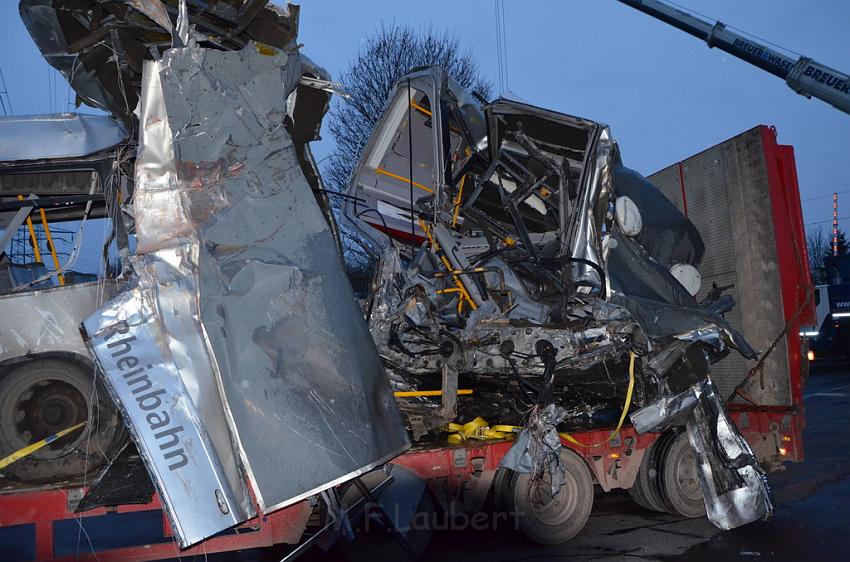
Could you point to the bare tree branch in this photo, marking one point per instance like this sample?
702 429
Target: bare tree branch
384 58
818 245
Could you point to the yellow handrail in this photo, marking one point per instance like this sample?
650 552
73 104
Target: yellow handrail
30 449
50 245
35 248
459 286
383 172
418 393
458 200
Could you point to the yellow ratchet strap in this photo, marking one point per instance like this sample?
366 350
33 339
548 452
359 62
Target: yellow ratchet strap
479 430
30 449
575 441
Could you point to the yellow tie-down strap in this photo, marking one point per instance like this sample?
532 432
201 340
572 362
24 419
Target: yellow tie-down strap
631 388
30 449
479 429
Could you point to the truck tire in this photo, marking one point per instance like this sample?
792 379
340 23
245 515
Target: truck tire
646 491
554 520
44 396
502 491
680 485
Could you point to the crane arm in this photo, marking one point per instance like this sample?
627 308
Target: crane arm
804 75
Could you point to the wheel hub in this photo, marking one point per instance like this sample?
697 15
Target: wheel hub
686 477
44 408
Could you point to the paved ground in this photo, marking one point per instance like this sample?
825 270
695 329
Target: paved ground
811 522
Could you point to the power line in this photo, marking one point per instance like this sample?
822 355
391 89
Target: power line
501 45
825 196
827 221
505 46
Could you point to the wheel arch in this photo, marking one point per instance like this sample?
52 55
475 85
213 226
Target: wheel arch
11 363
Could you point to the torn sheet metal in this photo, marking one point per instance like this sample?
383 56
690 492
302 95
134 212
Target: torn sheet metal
664 413
180 434
537 449
100 46
57 136
733 483
59 310
242 307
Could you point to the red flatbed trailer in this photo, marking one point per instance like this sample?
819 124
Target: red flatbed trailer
750 180
47 529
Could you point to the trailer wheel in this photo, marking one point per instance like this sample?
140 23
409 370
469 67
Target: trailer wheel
552 520
44 396
680 485
646 491
502 491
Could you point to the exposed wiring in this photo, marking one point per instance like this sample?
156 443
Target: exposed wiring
501 46
626 405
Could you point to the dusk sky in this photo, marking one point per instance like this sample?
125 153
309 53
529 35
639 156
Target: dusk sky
664 93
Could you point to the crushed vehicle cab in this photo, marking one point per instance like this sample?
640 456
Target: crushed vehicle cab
520 260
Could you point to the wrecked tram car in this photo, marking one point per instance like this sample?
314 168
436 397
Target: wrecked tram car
61 177
520 260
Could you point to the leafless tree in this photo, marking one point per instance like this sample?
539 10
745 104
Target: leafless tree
819 245
382 60
384 57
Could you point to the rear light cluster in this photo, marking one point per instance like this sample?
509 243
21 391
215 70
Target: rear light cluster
783 451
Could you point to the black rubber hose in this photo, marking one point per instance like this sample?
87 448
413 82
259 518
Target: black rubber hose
603 284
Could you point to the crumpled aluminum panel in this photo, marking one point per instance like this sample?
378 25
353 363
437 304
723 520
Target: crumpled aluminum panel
734 486
65 135
201 491
47 320
243 297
